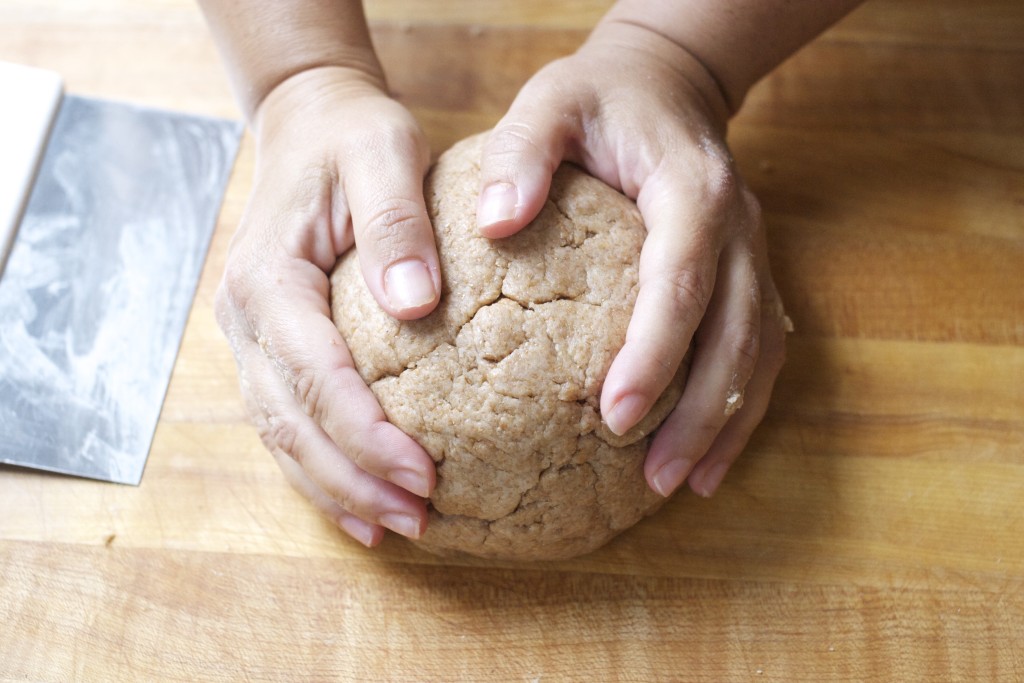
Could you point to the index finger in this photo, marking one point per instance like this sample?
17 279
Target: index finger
678 265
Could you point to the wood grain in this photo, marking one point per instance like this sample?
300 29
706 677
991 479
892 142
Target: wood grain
360 620
872 531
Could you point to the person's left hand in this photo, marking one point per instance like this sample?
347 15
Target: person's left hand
637 111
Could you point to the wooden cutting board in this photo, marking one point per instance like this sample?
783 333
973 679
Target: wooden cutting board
873 530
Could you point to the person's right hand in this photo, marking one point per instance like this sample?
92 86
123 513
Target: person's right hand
338 163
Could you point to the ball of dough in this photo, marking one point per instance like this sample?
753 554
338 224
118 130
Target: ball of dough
501 383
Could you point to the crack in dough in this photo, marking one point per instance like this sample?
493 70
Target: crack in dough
501 384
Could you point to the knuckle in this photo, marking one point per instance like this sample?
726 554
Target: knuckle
359 450
278 432
394 229
707 429
366 446
511 141
721 182
745 343
721 179
752 206
345 498
223 309
226 307
662 365
392 219
685 292
774 325
308 389
237 290
510 138
235 286
394 136
773 347
722 190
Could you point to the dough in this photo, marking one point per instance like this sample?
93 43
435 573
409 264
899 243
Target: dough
501 384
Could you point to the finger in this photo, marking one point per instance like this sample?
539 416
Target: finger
677 275
285 429
519 157
329 390
730 442
383 185
366 533
726 351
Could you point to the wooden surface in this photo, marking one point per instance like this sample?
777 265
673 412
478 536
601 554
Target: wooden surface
873 531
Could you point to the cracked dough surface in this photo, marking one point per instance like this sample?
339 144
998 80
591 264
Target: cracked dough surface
501 384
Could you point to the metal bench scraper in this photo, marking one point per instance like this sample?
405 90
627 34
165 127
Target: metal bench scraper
106 215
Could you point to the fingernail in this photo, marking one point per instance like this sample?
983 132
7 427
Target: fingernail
408 284
497 204
626 412
357 529
709 483
670 476
411 481
401 524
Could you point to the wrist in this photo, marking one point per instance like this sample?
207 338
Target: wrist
737 42
313 93
265 44
657 48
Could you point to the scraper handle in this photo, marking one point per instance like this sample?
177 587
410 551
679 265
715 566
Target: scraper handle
31 99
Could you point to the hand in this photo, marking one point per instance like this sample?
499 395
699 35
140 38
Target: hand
338 163
639 112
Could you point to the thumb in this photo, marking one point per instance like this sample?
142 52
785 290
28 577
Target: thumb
519 157
383 185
